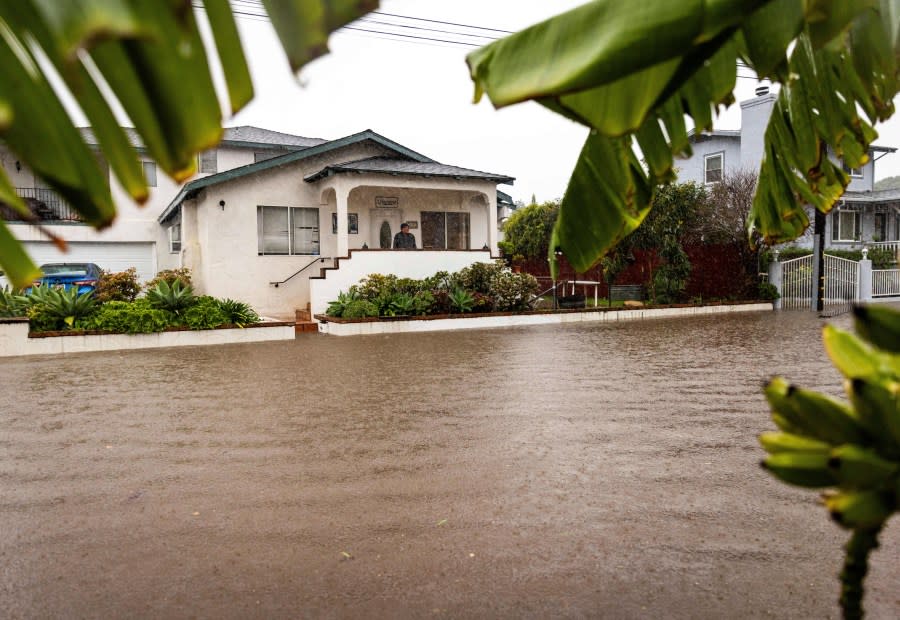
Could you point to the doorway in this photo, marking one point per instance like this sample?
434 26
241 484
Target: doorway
385 224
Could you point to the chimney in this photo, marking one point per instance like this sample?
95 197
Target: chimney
755 114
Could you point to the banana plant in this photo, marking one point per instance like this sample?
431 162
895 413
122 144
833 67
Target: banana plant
151 58
849 449
594 66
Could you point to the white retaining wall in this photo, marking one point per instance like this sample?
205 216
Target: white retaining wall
402 263
491 322
14 339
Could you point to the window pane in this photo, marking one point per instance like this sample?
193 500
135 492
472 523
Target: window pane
209 161
150 172
306 231
175 238
880 226
714 168
272 230
457 231
433 230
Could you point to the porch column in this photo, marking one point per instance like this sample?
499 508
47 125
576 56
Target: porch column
775 278
865 277
493 233
342 196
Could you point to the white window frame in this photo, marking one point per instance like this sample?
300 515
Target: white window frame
706 159
293 215
149 172
208 162
855 173
175 238
837 232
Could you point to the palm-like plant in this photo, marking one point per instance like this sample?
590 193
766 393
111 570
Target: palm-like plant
175 298
238 312
851 449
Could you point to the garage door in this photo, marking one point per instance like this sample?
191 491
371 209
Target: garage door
109 256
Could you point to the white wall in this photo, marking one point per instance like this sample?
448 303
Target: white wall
402 263
693 168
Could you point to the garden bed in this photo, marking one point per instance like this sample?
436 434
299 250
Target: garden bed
337 326
16 340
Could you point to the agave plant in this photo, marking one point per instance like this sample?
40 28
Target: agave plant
337 307
12 302
461 300
175 298
61 306
238 312
850 449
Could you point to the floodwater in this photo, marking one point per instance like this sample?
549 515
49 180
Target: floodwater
605 471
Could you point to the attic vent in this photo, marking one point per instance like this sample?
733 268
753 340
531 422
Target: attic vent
762 90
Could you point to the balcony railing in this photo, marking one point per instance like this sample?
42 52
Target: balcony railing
45 204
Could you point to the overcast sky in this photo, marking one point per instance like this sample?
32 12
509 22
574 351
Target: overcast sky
420 94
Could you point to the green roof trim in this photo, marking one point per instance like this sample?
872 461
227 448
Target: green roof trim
191 189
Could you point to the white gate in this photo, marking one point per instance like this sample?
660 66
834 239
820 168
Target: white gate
885 282
841 282
797 282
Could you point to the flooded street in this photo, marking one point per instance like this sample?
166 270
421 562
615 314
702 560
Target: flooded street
604 470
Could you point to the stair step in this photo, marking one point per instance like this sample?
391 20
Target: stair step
302 327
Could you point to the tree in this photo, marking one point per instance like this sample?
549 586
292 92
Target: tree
528 230
888 183
593 66
837 64
152 59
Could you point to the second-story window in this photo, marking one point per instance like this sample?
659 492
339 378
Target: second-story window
150 172
175 237
856 173
209 162
713 166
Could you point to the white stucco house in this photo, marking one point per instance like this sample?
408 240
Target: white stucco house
864 216
280 221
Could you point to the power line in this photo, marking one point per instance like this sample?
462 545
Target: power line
437 21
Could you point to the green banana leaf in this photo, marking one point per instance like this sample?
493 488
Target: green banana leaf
594 66
151 57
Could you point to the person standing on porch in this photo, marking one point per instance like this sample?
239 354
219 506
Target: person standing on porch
404 240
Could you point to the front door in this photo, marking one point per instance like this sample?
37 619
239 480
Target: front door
385 224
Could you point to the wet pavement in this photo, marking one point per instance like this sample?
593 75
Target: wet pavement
606 471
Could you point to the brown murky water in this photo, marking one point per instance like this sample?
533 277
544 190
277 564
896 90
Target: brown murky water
581 471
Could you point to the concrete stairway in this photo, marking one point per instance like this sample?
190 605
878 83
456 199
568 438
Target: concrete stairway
303 322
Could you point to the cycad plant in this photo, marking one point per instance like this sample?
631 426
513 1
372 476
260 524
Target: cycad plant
175 298
12 302
55 307
851 450
238 312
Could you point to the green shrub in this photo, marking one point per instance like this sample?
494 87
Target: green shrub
137 317
423 303
477 277
169 276
513 291
360 308
204 313
12 302
768 291
175 298
238 312
41 319
121 286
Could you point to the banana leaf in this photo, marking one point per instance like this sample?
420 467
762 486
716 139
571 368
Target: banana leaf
150 59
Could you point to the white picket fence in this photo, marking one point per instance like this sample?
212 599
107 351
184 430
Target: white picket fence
885 282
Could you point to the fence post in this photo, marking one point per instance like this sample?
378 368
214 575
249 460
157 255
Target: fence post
775 278
865 277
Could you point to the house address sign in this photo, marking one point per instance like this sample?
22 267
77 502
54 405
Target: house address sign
386 202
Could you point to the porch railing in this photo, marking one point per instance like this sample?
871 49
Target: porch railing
45 204
893 246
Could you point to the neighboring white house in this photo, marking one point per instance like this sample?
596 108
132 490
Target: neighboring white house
260 221
864 216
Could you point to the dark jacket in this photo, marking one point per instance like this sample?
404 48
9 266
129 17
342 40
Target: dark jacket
404 241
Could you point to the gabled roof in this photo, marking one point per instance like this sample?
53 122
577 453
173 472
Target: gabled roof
245 136
695 136
190 190
391 165
878 195
505 199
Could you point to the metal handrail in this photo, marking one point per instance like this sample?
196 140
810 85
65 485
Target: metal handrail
302 269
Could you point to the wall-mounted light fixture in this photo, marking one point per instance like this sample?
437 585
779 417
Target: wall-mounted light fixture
18 166
222 204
